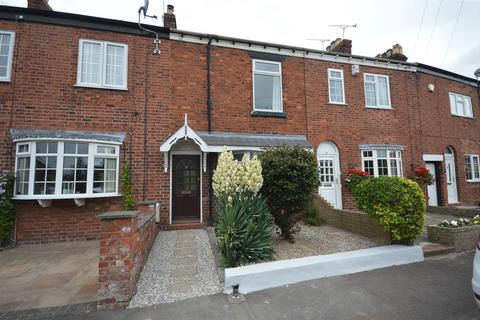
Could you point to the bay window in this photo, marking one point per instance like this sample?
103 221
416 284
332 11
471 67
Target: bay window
382 162
267 86
472 167
66 170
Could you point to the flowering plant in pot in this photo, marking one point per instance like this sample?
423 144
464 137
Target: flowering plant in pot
422 176
355 177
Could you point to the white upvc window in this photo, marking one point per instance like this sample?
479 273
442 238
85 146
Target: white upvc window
66 170
472 167
460 105
336 87
267 86
377 91
102 64
7 40
382 162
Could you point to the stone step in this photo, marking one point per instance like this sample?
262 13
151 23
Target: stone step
185 226
435 249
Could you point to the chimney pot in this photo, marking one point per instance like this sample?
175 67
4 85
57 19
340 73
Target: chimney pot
395 53
169 19
341 46
39 4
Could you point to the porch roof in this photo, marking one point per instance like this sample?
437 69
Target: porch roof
256 140
30 134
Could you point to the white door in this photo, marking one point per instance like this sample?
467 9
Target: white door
432 189
329 172
451 176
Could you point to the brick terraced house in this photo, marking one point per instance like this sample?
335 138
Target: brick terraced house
81 96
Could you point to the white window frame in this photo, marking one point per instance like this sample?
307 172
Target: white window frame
103 65
377 92
8 76
92 147
454 107
279 74
374 158
343 85
472 168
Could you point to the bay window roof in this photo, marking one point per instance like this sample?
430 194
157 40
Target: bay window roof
34 134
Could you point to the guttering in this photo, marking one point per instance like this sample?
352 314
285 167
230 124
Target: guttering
250 45
446 74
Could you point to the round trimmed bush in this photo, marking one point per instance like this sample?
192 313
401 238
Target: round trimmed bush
398 204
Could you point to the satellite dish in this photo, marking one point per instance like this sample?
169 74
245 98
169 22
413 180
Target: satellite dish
144 8
477 73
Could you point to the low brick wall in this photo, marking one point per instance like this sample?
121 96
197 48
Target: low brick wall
126 240
455 211
353 221
463 239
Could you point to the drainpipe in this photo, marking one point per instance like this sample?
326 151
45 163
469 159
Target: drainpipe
209 116
209 92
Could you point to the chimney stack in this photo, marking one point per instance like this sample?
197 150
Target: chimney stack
169 20
395 53
341 46
39 4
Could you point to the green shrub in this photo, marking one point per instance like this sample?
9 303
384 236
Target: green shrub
290 177
128 200
312 217
244 229
7 211
398 204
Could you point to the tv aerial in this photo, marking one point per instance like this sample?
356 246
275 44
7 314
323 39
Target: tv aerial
320 40
343 27
144 10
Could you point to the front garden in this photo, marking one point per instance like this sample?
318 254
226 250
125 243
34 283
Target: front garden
265 212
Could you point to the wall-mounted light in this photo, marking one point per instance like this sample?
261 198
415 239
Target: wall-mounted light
431 87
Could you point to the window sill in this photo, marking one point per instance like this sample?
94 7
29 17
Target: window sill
338 104
379 108
67 196
5 80
473 181
462 117
273 114
99 87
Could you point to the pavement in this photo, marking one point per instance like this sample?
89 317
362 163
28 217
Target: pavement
434 289
51 275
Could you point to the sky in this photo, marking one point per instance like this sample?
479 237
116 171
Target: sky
447 37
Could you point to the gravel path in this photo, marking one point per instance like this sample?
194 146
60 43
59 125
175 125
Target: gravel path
180 266
312 241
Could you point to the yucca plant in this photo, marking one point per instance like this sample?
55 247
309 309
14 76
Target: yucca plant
244 229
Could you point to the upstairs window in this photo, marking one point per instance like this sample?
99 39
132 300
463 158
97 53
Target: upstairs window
382 162
66 169
472 167
377 91
336 89
7 39
461 105
102 64
267 86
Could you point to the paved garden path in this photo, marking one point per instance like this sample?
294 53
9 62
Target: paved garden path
180 266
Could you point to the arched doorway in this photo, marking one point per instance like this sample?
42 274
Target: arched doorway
328 161
450 175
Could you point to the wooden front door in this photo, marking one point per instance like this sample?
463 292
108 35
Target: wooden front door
185 187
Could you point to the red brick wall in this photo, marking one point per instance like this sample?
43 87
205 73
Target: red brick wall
42 94
62 221
124 249
439 129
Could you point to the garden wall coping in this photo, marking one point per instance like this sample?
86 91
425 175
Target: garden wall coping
278 273
142 222
110 215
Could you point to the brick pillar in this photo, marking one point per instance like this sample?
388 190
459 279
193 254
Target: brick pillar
126 239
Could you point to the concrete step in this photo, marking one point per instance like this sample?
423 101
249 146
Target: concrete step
431 249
